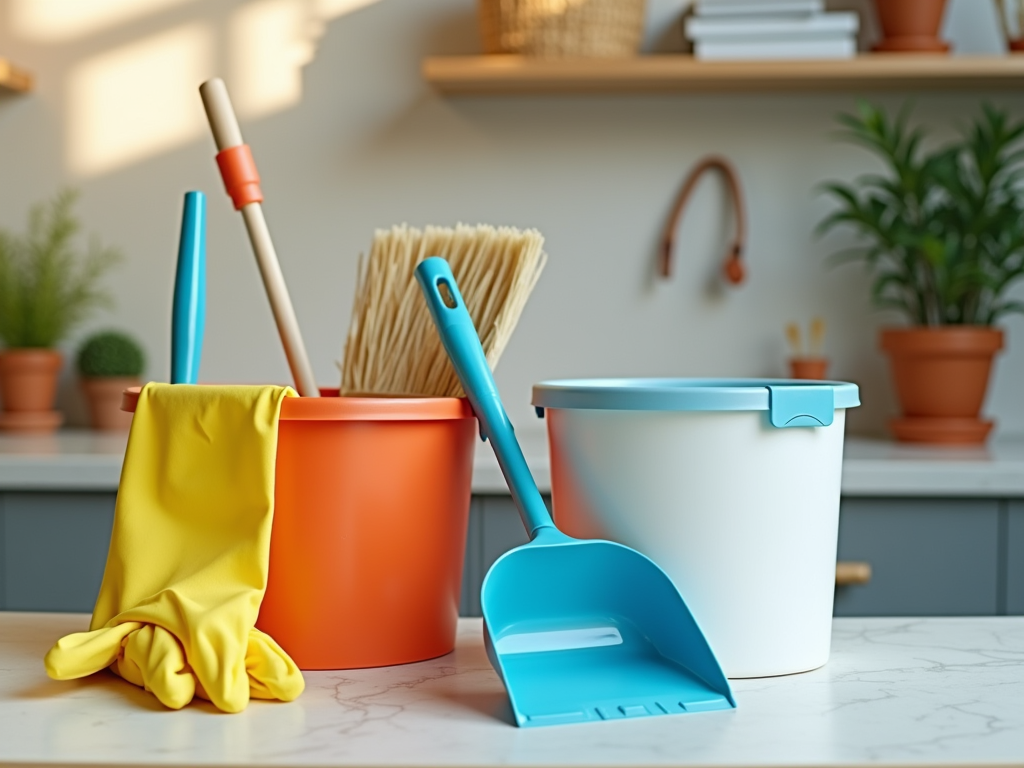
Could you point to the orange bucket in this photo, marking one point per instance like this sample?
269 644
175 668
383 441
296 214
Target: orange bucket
371 510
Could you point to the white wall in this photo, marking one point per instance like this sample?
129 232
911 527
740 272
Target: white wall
355 140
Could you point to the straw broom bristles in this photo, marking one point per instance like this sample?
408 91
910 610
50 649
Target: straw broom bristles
392 346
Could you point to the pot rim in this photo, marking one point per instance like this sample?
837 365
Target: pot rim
330 406
111 382
37 358
965 340
668 394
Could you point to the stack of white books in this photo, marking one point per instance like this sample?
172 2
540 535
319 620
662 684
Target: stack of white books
771 29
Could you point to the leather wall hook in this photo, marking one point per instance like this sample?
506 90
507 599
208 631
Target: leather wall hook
733 268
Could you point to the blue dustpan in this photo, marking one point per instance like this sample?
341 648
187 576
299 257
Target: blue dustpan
577 630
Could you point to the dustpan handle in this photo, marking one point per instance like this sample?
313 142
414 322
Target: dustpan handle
461 342
188 314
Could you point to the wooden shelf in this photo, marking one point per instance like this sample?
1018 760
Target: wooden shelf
681 73
14 78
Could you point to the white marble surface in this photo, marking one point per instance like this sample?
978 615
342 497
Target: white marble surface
896 692
85 460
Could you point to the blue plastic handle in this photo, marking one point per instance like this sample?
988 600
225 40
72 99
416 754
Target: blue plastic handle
460 339
188 318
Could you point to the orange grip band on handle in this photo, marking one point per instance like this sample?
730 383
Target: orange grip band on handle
241 179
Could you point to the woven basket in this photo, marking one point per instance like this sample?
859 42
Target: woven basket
555 29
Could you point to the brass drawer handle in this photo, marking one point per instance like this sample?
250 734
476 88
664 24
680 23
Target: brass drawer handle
850 572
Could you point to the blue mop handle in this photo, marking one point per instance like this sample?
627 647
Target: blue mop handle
188 319
460 339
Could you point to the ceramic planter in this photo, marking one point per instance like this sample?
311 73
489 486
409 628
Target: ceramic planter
808 368
941 376
103 395
28 388
911 26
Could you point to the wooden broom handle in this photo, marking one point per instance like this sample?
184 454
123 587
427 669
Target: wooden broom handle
227 135
734 269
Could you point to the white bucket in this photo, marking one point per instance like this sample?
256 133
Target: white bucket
731 486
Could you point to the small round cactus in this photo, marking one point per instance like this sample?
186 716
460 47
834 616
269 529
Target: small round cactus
110 353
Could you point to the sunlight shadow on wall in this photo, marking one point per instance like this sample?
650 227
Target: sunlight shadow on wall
332 9
270 41
63 20
135 101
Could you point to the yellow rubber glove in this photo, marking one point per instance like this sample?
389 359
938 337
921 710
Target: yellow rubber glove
189 552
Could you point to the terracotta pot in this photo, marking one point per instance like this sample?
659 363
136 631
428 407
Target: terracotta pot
911 26
28 387
808 367
941 376
103 395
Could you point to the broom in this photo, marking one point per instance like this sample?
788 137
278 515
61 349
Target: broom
392 347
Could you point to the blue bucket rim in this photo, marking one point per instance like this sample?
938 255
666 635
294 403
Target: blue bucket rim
668 394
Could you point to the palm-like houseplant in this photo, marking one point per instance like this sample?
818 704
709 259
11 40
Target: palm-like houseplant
943 232
47 287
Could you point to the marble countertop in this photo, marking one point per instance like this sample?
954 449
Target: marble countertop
71 459
896 692
86 460
873 467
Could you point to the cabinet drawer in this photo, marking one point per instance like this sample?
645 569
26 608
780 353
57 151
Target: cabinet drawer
929 557
54 549
494 528
1015 558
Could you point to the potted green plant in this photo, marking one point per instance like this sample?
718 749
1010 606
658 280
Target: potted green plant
47 287
943 232
108 363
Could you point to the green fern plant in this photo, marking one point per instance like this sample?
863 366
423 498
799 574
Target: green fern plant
47 286
943 230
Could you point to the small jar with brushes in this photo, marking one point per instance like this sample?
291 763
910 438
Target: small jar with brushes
809 363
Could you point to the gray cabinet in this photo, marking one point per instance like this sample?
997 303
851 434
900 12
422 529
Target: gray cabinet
53 547
494 528
929 557
946 557
1014 557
